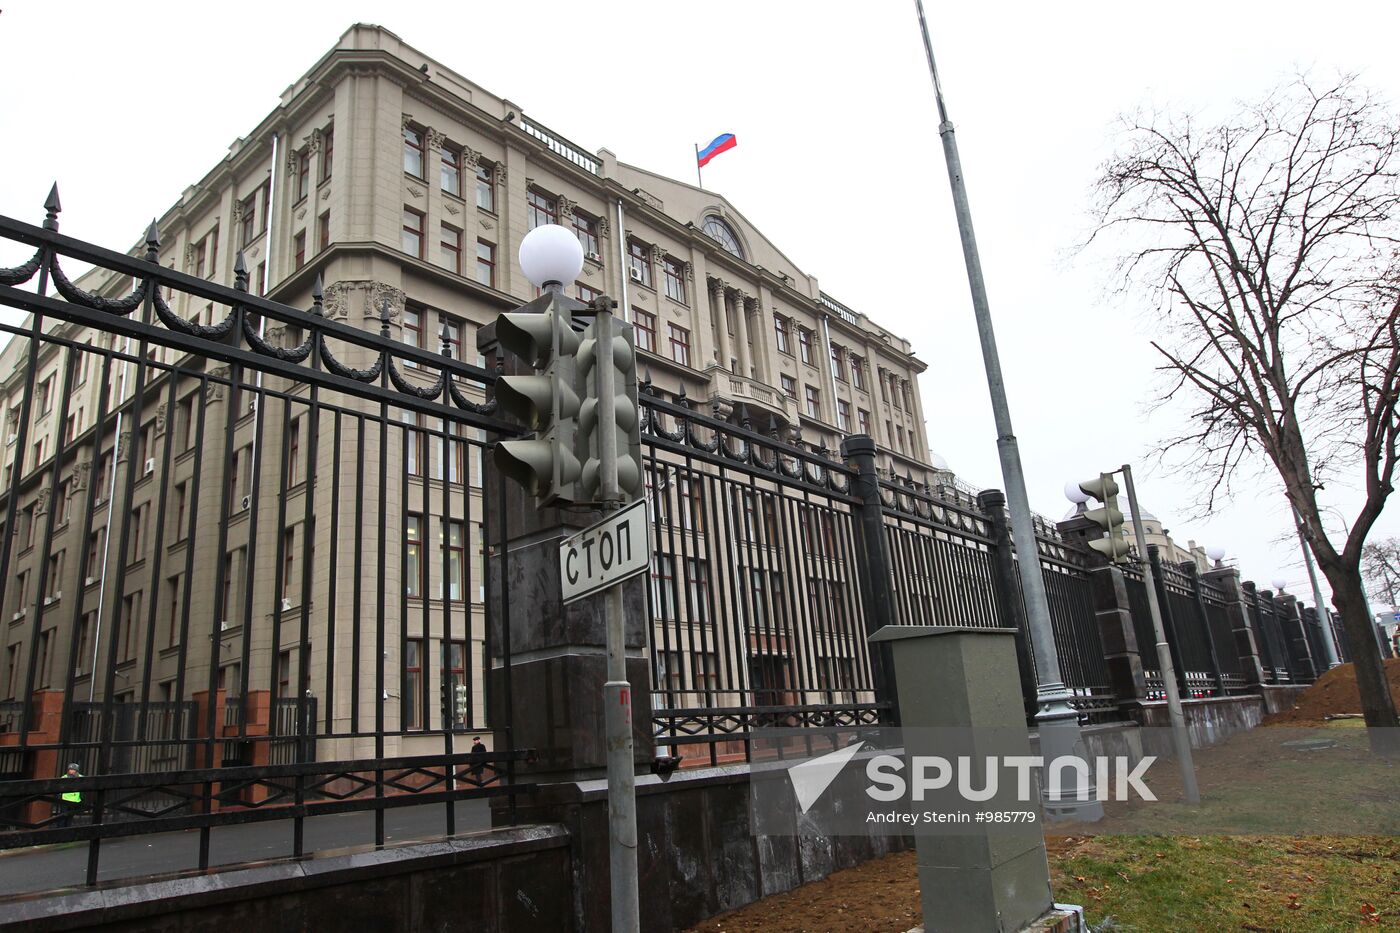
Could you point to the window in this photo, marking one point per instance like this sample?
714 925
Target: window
299 250
586 228
302 182
85 628
413 556
454 675
70 429
884 386
412 331
131 611
38 449
284 674
94 558
247 219
908 399
680 344
804 343
451 242
724 235
644 329
260 282
456 557
415 689
838 362
843 415
587 293
53 577
413 444
452 332
691 499
486 263
46 396
663 586
293 451
674 273
863 420
178 529
231 568
413 152
858 372
486 187
452 170
22 584
13 662
172 589
412 232
899 436
323 231
327 151
789 386
698 583
540 209
639 262
780 331
289 543
814 402
138 525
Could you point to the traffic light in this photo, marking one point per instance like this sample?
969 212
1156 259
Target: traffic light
542 334
1113 545
608 417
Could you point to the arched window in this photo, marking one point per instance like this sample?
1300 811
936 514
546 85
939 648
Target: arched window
724 235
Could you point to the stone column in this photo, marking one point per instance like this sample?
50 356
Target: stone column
741 333
718 306
1228 580
951 684
1007 589
1114 615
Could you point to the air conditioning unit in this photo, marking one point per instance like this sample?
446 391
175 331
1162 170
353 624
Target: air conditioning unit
636 274
286 603
150 466
17 615
89 581
593 256
50 600
252 404
223 625
11 438
247 501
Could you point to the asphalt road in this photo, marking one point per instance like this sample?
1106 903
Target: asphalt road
45 868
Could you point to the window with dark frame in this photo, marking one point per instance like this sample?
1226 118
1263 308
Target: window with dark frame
452 170
172 586
289 541
412 232
673 271
804 343
247 219
413 152
486 263
454 543
451 241
586 293
863 421
814 402
299 250
858 372
413 556
789 386
843 415
454 675
639 262
680 344
586 229
412 331
781 332
303 177
327 151
486 186
838 362
415 688
540 209
323 231
644 329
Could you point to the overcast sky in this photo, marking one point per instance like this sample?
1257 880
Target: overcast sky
838 162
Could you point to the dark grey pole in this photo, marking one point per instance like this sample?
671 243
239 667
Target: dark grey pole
874 563
1056 719
1329 646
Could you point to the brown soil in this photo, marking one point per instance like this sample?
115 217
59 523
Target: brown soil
1334 693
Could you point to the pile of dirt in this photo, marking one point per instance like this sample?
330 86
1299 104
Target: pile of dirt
1334 694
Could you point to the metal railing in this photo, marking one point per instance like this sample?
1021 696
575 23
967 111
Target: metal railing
569 151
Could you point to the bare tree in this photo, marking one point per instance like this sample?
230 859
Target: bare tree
1380 567
1270 240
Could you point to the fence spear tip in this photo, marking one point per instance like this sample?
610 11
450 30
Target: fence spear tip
153 235
51 203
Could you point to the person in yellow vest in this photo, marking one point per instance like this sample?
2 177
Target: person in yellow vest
71 801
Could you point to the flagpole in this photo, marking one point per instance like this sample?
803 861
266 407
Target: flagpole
698 179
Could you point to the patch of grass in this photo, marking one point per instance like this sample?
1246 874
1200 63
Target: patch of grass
1214 883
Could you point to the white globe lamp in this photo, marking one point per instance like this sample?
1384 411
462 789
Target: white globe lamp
1216 553
1279 583
1074 494
551 255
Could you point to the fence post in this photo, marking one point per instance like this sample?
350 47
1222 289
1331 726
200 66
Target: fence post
873 560
1007 587
1114 614
1199 599
1256 616
1154 557
1246 644
1295 638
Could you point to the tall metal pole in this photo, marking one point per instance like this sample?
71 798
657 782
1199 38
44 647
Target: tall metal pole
1180 737
1329 646
1056 719
617 692
699 179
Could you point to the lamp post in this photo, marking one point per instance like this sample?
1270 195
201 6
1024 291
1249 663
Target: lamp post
550 256
1057 721
1216 553
1324 622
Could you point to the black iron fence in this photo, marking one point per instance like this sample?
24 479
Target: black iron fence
240 553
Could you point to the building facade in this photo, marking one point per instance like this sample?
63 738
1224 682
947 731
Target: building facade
406 189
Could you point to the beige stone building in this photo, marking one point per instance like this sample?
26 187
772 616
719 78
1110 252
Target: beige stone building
402 184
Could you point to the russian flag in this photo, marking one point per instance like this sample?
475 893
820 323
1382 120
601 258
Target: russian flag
720 144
